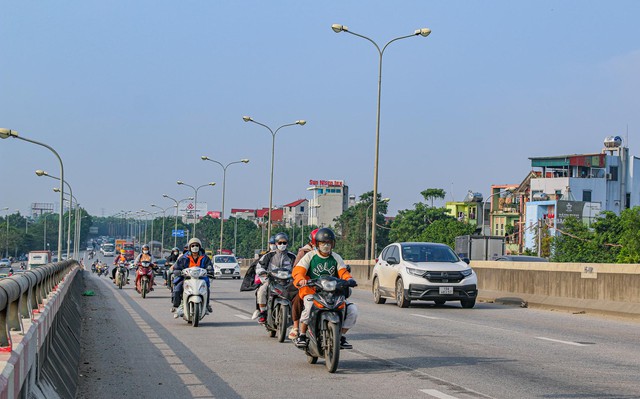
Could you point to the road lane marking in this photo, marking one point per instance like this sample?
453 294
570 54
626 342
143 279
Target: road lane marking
561 342
427 317
437 394
243 317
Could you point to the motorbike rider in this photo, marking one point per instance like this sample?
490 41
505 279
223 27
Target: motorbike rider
172 258
296 305
195 257
144 256
118 259
322 262
280 258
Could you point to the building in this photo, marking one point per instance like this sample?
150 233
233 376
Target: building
296 213
466 210
246 214
330 199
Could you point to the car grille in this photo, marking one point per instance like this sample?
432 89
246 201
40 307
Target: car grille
444 277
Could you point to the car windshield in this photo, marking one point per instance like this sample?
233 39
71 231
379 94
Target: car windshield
428 253
225 259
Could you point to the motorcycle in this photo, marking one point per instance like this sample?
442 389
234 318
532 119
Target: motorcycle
194 295
166 274
145 272
121 275
279 303
325 320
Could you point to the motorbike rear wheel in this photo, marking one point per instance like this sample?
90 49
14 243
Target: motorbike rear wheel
332 349
281 322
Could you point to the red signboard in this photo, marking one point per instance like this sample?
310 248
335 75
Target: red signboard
327 183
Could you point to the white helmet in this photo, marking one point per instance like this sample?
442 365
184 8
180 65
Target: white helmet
195 241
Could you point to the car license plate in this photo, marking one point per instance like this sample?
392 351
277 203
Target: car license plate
446 290
226 271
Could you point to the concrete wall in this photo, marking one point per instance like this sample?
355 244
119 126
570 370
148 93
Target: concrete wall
610 288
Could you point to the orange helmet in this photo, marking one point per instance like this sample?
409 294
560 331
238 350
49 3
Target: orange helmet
122 251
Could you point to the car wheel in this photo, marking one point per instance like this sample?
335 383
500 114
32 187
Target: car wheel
468 303
401 300
377 298
440 302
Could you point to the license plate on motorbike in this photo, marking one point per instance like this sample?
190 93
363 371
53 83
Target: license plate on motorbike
446 290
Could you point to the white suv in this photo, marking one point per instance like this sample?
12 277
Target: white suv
426 271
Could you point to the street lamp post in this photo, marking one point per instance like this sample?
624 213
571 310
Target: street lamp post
508 190
175 226
195 210
41 173
6 133
163 217
366 234
224 184
424 32
300 122
6 246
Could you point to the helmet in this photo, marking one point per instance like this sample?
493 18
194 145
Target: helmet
194 241
175 249
312 237
122 251
325 235
145 246
272 240
281 236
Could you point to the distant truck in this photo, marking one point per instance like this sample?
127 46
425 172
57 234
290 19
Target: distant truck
38 258
119 245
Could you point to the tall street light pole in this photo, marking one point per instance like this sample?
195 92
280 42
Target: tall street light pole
300 122
224 184
195 210
6 133
41 173
6 245
175 226
424 32
366 234
163 217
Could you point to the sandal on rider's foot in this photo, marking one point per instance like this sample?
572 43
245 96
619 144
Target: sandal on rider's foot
293 334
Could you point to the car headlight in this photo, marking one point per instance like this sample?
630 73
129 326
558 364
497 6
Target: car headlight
466 272
415 272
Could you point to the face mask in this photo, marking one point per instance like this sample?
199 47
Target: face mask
282 247
175 253
324 248
272 247
195 248
145 252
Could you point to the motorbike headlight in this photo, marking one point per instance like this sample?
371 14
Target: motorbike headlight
329 285
283 274
467 272
415 272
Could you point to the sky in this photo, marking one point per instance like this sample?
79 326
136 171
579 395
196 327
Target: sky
132 93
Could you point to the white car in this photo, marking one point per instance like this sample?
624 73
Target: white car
226 266
408 271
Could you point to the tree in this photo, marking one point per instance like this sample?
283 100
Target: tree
432 193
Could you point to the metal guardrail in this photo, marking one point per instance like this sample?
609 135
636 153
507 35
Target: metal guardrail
24 294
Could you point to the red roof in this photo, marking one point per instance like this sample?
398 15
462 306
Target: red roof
233 211
276 214
296 203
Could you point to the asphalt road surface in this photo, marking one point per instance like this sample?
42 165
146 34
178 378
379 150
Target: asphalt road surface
133 347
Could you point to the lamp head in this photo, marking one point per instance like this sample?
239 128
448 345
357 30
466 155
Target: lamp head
154 205
165 195
6 133
247 118
385 200
339 28
244 160
424 32
212 184
204 158
41 172
301 122
180 182
56 189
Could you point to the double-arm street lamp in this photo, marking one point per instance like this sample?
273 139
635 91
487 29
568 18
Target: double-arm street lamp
224 184
300 122
6 133
164 210
195 209
175 226
41 173
71 200
424 32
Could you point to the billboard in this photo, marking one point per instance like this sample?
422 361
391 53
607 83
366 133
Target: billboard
188 211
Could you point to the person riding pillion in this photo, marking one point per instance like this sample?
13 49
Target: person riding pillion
317 263
195 257
280 258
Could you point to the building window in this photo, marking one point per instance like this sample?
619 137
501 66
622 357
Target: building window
302 209
586 195
558 194
613 171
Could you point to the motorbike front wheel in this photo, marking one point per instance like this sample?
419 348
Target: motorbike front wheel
120 281
332 347
143 288
195 314
281 322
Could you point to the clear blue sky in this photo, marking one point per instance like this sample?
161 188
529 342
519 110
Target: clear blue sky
132 93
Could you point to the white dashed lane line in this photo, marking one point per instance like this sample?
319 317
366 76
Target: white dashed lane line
437 394
561 342
427 317
243 317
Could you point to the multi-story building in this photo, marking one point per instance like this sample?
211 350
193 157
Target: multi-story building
330 199
296 213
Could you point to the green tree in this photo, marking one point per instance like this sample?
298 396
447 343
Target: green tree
432 193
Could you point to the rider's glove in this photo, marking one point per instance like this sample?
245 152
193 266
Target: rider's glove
352 282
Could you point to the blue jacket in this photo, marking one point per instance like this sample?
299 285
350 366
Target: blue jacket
184 261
